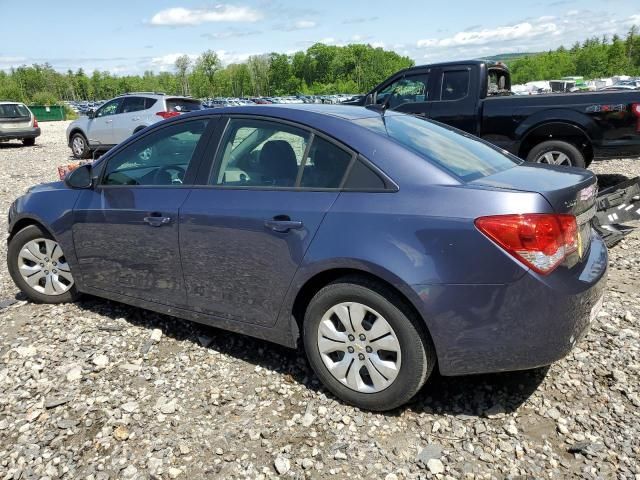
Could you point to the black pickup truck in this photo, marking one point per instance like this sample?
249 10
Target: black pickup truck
475 96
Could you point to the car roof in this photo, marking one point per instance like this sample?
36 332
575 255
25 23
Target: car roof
288 111
10 103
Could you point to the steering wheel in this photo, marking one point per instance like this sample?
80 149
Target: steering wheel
157 176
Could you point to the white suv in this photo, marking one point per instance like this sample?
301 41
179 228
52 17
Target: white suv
121 117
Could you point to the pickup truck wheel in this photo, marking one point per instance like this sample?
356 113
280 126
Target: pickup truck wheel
557 152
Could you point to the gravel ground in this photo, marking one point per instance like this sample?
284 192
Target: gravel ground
99 390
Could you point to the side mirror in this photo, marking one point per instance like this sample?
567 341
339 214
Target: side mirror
369 99
91 113
80 177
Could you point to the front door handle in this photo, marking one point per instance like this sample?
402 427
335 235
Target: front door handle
135 119
282 224
157 220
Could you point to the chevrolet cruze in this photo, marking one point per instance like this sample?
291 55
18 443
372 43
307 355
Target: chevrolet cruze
386 244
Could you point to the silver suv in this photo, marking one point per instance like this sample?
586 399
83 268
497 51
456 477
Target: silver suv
121 117
17 122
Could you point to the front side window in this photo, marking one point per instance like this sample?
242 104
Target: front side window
133 104
455 85
464 156
409 89
160 158
257 153
109 108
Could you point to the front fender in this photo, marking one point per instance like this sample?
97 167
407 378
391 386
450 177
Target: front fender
54 204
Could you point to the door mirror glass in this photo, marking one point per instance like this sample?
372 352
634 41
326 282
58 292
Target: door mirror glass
368 99
91 113
80 177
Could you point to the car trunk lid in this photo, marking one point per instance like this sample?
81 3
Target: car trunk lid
568 190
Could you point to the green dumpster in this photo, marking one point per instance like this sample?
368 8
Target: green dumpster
48 113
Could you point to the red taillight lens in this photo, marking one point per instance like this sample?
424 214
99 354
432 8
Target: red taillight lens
35 122
166 115
635 109
539 240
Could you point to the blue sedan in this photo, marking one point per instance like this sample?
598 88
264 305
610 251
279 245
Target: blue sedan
385 244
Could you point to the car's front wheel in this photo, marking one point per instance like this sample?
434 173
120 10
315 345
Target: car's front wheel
39 268
366 347
80 146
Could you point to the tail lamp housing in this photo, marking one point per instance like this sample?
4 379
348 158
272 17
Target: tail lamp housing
540 241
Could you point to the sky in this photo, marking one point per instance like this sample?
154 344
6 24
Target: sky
129 37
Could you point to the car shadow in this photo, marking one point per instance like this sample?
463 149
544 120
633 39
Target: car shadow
471 395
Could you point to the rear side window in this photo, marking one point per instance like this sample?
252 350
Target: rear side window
149 102
455 85
325 166
14 111
183 105
132 104
462 155
361 177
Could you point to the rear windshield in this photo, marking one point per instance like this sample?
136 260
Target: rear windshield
14 111
183 105
462 155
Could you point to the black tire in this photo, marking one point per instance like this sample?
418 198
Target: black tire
28 142
575 156
85 151
418 356
16 244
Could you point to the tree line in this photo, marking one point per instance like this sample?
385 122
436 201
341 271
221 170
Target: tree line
321 69
593 58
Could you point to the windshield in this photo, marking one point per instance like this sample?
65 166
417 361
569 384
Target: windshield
14 110
460 154
183 105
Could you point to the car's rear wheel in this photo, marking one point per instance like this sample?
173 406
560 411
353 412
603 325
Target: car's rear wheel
557 152
365 345
28 142
39 267
80 146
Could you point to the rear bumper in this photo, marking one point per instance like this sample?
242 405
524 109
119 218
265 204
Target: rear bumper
532 322
19 134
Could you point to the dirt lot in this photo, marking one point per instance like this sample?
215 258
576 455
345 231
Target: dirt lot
99 390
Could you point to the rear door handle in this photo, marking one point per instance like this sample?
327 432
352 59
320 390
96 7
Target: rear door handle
157 220
282 224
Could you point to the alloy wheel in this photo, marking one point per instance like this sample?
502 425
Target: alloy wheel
359 347
78 145
43 266
554 157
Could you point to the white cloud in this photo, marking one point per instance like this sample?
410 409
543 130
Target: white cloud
180 16
530 35
494 35
302 24
377 44
167 62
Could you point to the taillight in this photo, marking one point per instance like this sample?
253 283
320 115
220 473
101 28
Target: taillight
635 109
35 122
539 240
166 115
